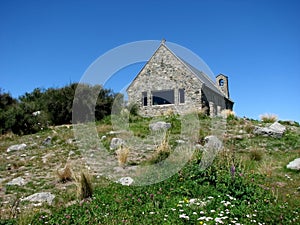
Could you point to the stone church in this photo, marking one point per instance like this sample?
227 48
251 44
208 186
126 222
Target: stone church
167 82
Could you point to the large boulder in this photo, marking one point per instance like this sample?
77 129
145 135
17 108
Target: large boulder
40 197
16 147
160 125
275 130
116 143
294 165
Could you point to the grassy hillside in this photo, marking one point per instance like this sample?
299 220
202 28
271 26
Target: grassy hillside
259 190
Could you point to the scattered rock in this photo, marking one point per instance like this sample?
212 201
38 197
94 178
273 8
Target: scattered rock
115 132
103 138
19 181
160 125
294 165
40 197
277 127
71 153
211 148
198 146
238 137
36 113
125 181
16 147
180 141
116 143
213 142
70 141
275 130
47 141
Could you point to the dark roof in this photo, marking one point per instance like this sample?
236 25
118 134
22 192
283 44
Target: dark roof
203 78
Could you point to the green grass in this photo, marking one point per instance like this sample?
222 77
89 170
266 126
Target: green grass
261 189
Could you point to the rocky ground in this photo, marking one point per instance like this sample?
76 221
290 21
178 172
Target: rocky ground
29 164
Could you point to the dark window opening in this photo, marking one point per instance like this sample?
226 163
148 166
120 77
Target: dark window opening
221 82
144 98
181 95
163 97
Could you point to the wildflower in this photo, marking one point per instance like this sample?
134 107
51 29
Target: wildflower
232 171
219 220
202 218
184 216
212 210
173 209
151 213
201 212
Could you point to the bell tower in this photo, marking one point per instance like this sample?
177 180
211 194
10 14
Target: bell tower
222 83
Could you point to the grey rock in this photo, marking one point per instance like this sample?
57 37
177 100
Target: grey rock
116 143
275 130
211 148
36 113
200 147
70 141
19 181
213 142
294 165
103 138
277 127
47 141
160 125
16 147
125 181
40 197
180 141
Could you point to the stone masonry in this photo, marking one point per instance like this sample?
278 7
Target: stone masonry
167 75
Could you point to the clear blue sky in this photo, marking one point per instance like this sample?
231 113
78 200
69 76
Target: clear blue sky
254 42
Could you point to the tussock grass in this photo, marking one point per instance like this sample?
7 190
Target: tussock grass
84 185
162 151
227 113
266 168
122 155
65 174
268 118
256 154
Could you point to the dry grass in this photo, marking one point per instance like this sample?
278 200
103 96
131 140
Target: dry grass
84 186
256 154
164 146
122 155
268 118
65 174
162 151
227 113
104 128
266 168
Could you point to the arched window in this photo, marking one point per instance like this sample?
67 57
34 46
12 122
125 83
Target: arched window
221 82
